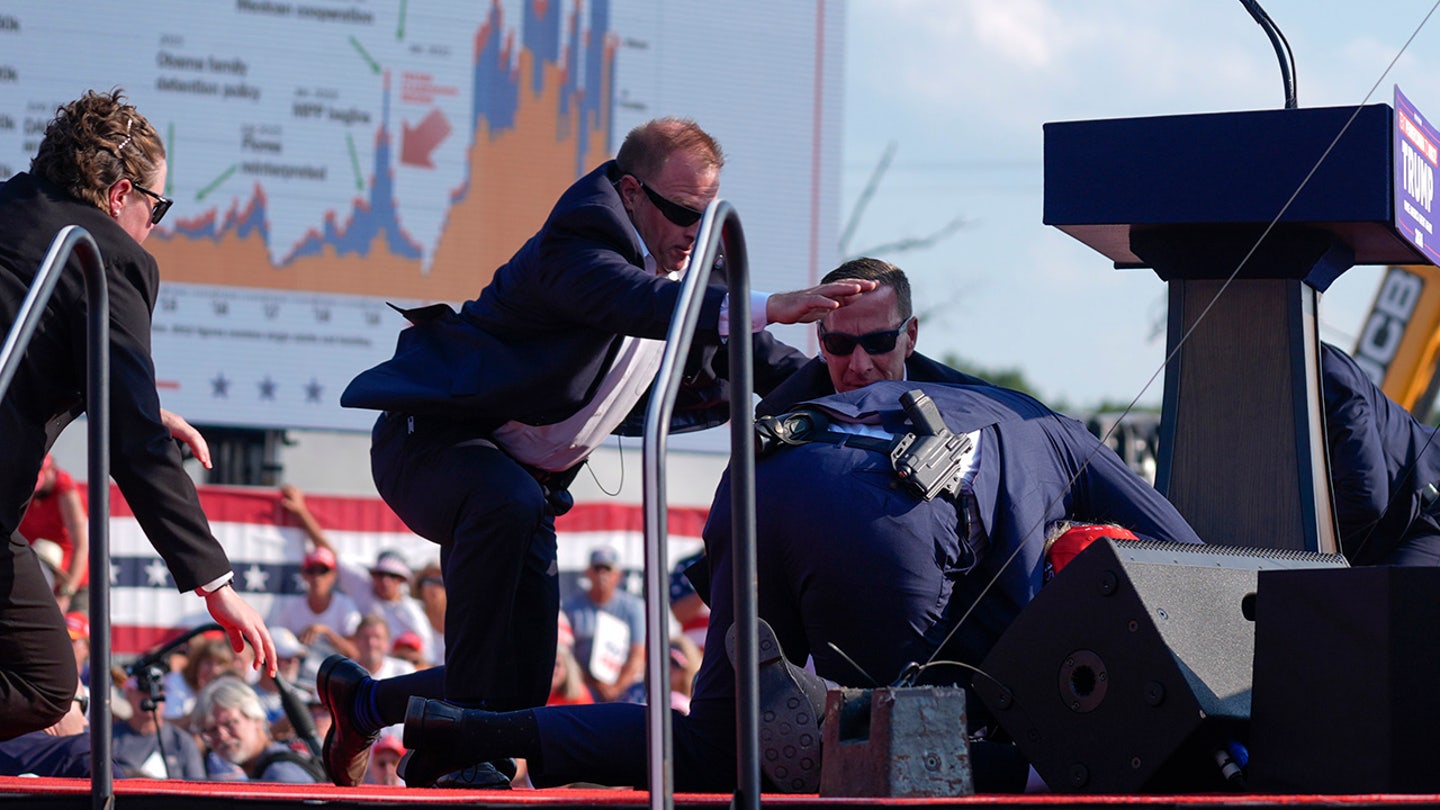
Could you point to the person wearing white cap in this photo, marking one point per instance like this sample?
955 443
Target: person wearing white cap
388 596
379 589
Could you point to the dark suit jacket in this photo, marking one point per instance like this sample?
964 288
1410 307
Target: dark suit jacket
1380 459
47 391
813 380
536 343
1036 467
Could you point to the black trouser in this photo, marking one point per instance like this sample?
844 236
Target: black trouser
37 665
496 534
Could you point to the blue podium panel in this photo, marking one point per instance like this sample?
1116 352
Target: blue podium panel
1105 178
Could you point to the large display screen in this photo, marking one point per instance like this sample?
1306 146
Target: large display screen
329 156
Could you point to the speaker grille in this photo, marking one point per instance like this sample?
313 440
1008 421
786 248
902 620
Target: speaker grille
1247 557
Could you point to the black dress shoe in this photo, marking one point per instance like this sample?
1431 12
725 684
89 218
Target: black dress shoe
432 732
792 702
346 752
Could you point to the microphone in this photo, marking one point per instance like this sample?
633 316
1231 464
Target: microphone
292 700
154 657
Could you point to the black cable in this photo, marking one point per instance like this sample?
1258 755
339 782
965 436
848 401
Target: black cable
1282 50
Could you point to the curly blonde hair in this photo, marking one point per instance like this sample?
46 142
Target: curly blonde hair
95 141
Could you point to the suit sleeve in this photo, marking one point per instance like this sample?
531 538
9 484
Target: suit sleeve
775 362
145 461
585 277
1108 491
1359 474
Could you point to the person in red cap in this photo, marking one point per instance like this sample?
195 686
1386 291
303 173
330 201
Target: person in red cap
409 647
381 589
385 761
56 513
325 617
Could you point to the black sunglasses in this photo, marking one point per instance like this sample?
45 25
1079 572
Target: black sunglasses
882 342
162 203
682 215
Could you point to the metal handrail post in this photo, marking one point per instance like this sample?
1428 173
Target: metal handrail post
76 239
719 216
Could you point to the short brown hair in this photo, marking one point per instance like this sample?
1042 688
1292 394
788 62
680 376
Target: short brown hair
649 145
93 142
883 273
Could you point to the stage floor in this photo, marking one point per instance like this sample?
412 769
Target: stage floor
142 794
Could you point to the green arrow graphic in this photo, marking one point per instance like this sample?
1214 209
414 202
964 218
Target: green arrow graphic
374 66
355 162
214 184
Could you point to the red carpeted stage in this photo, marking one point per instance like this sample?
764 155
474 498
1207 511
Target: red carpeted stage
144 794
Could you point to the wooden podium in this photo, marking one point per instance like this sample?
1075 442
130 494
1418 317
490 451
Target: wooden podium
1293 203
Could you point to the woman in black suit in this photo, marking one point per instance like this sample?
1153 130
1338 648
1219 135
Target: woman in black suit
100 166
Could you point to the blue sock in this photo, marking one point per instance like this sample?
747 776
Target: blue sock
367 714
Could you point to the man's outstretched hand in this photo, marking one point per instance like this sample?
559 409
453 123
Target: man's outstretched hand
808 306
242 623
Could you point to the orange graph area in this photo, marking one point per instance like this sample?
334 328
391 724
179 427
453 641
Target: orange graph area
515 176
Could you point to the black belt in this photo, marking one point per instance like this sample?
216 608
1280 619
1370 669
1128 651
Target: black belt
481 431
930 459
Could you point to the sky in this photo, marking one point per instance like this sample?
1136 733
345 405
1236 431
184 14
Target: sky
962 88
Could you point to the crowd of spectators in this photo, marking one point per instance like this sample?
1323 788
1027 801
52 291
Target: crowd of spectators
203 714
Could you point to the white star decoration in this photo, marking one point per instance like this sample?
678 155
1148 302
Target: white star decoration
255 578
156 575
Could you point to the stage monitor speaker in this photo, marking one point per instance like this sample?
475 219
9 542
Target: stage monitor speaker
1130 671
1347 665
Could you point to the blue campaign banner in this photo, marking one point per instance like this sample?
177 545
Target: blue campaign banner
1415 158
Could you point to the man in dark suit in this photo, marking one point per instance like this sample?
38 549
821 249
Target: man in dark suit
872 339
492 411
1384 467
850 557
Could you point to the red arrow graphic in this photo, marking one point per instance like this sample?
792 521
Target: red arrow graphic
418 142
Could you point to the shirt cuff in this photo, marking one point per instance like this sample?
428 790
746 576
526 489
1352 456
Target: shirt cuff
758 302
215 584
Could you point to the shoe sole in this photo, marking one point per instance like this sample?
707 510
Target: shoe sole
470 777
789 727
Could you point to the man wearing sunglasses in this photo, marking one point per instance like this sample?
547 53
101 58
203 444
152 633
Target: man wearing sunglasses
870 340
490 413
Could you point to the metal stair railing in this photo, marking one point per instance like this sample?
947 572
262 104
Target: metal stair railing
75 239
720 224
